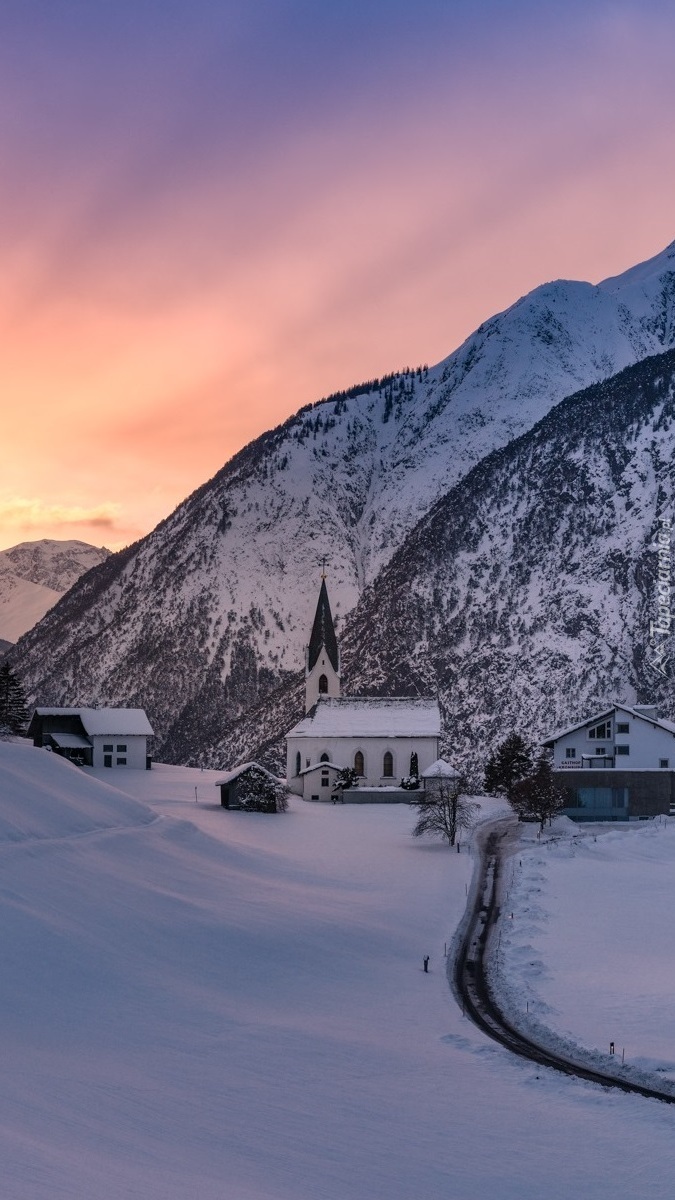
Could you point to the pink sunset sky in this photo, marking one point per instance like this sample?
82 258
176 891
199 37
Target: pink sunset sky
214 213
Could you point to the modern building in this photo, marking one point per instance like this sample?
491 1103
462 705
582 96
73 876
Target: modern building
374 735
617 765
94 737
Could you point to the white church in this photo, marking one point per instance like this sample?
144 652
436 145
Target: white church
375 735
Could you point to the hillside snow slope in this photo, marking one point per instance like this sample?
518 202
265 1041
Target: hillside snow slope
34 575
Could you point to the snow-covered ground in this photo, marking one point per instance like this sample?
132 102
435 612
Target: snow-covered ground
225 1006
588 955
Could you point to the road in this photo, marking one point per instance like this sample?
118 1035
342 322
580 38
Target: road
470 975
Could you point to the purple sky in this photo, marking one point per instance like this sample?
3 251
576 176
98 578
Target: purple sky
213 213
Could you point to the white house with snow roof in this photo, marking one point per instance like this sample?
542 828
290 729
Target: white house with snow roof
618 764
374 735
94 737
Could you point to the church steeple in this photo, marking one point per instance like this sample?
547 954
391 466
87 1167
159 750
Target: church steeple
322 666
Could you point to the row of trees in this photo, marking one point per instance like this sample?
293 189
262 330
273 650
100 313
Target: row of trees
526 781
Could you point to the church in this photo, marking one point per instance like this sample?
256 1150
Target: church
375 735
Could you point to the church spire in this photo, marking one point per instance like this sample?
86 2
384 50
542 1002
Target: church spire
322 672
323 632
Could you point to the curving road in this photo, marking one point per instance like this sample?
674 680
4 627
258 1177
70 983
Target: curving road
470 977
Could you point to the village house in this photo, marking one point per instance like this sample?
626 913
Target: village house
617 765
94 737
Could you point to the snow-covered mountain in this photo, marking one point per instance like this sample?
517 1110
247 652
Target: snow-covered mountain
208 614
34 575
523 599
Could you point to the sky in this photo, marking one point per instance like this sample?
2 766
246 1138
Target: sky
216 211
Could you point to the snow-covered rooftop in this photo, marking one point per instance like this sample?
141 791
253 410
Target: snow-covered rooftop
230 776
441 770
112 722
320 766
371 716
641 711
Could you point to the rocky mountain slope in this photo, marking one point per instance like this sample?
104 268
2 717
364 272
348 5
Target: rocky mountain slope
523 598
34 575
209 614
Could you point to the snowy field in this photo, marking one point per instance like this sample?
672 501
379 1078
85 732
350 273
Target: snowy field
590 951
208 1005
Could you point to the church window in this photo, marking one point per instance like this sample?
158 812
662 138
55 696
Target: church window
358 763
388 764
323 685
325 757
298 763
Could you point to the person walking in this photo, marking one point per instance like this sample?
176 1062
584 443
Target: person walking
426 964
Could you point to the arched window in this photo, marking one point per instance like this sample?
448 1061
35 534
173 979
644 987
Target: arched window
388 764
358 763
323 685
298 763
325 757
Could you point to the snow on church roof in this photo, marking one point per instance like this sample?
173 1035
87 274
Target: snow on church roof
371 716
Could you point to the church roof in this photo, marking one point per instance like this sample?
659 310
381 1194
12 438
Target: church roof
371 716
323 632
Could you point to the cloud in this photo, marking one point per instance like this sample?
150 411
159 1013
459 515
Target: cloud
29 515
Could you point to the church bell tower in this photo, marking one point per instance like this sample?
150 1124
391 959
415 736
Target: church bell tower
322 657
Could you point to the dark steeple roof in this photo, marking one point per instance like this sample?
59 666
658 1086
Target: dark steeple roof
323 632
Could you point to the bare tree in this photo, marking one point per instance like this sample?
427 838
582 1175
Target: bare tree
443 809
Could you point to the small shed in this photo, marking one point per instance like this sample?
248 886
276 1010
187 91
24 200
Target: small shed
234 785
439 773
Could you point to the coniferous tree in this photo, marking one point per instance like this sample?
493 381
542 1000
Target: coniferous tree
260 792
511 762
13 711
537 797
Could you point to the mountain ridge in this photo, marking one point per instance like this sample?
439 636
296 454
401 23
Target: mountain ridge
209 613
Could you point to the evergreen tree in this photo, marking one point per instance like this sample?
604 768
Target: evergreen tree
511 762
411 782
13 711
537 797
260 792
346 778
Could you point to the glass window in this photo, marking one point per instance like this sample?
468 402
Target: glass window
623 750
107 749
121 762
323 685
623 727
570 752
298 763
325 757
601 731
325 781
388 764
122 749
663 762
358 763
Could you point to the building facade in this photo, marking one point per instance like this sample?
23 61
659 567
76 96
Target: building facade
618 765
94 737
376 736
